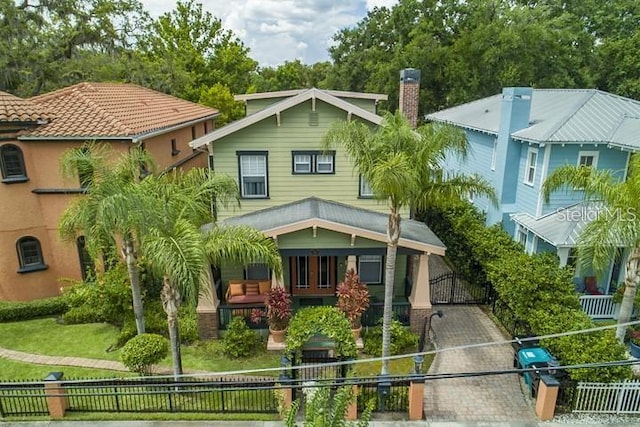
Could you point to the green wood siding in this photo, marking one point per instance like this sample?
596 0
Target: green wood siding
294 133
304 239
254 105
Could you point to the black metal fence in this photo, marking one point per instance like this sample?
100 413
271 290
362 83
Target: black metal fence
509 320
395 399
454 288
401 312
565 403
23 399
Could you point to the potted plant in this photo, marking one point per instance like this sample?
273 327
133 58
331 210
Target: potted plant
634 343
353 300
278 304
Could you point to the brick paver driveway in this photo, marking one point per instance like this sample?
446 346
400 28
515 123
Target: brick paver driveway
485 398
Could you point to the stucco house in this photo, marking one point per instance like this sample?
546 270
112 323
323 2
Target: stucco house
312 203
35 132
520 136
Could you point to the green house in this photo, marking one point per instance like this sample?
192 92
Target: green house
313 204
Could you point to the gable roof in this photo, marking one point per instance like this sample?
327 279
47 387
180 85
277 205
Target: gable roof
558 116
293 92
314 212
278 107
112 110
18 110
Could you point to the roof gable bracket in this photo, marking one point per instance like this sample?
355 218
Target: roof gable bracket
313 103
278 118
349 116
353 240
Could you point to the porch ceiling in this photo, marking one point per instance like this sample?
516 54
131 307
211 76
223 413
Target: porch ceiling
314 212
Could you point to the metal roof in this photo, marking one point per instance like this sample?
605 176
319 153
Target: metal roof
326 214
561 228
283 105
558 116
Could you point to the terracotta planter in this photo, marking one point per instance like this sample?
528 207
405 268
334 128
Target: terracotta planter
356 333
278 336
634 349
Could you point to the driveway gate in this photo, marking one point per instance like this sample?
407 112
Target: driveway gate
453 288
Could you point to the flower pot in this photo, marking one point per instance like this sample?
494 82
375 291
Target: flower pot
356 333
278 336
634 349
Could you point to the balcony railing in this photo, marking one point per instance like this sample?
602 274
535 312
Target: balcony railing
598 306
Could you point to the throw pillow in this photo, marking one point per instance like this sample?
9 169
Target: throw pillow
253 289
235 289
265 287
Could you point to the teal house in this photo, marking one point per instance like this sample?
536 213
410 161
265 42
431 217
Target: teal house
313 204
520 136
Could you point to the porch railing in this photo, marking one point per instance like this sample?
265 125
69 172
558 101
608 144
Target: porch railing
598 306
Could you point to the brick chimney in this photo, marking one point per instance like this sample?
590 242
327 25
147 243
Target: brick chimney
410 94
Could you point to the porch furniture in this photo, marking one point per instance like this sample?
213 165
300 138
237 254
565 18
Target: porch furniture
247 291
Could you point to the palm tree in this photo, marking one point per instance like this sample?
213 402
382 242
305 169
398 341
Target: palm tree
618 223
108 212
180 252
404 167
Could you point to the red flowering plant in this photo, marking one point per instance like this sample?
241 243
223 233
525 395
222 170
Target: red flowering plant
634 336
278 308
353 298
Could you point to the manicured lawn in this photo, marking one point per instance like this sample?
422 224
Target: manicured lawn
396 366
11 370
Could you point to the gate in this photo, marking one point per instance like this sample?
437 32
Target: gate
309 367
453 288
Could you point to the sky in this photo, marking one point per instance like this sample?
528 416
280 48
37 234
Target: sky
283 30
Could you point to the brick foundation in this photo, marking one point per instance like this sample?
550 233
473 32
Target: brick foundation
417 319
207 324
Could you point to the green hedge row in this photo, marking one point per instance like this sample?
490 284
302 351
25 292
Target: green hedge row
534 287
16 311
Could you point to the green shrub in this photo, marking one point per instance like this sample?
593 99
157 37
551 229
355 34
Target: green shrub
188 325
239 340
16 311
143 351
402 339
107 299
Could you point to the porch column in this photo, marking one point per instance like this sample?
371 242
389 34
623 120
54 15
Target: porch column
563 255
352 264
207 310
420 298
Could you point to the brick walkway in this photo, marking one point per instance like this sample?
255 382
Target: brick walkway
488 398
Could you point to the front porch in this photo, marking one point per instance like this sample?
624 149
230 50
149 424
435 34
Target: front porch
319 241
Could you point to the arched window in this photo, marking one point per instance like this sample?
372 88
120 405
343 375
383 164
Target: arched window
12 164
30 255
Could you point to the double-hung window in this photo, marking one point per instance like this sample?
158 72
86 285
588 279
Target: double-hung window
253 174
313 162
365 189
588 158
530 170
370 268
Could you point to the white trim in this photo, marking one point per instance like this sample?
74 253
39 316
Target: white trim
278 107
527 167
543 177
626 169
494 154
593 154
288 93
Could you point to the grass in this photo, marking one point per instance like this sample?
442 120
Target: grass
401 366
11 370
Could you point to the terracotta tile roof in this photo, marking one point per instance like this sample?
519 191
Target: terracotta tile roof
112 110
14 109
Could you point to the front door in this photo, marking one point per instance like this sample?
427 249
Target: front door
313 275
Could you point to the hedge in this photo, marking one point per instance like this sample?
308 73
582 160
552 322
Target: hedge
534 287
16 311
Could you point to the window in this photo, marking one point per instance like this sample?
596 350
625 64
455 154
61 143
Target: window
86 263
365 188
370 268
30 255
588 158
494 154
522 237
530 171
12 164
253 174
174 147
257 272
313 162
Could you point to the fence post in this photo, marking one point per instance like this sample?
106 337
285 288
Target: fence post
57 400
547 396
416 399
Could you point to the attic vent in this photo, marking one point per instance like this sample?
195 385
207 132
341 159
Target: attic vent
313 118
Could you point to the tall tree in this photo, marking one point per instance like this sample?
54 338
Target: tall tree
404 167
110 211
180 252
617 225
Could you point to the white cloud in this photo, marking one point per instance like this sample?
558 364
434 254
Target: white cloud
284 30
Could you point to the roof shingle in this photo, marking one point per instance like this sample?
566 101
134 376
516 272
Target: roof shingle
14 109
94 110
